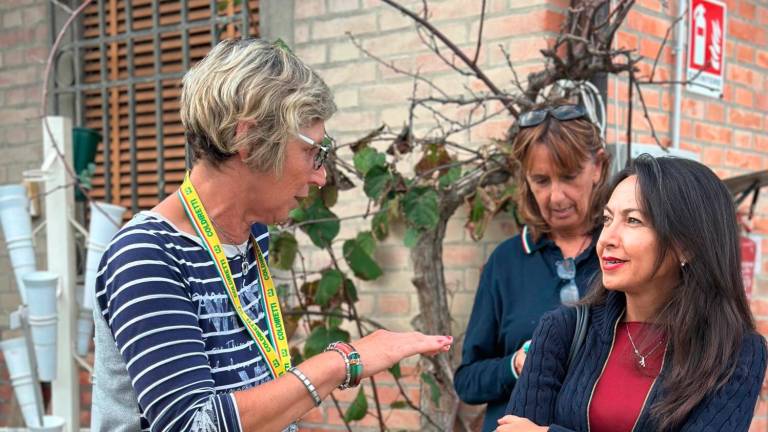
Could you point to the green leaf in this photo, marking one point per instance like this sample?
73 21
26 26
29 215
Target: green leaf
434 389
398 405
335 321
330 195
319 339
395 371
358 408
282 45
321 233
368 158
360 262
478 209
366 241
329 285
376 182
298 214
349 286
380 224
411 237
421 207
283 251
283 290
450 177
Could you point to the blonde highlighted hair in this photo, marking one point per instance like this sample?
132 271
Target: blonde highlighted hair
571 143
256 82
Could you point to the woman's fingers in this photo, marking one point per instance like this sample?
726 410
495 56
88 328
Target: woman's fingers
382 349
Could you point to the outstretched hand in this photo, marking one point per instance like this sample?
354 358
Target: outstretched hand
381 349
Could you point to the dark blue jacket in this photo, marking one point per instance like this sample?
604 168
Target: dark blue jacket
547 395
519 283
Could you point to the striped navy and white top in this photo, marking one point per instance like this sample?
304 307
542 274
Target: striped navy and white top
182 343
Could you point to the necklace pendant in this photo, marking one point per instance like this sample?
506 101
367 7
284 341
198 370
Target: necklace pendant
245 267
642 361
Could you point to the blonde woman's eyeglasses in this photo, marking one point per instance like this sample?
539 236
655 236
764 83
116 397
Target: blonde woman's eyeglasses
324 147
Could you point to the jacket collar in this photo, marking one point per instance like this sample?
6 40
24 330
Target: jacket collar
529 246
610 311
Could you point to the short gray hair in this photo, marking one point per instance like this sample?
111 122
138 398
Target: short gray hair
258 82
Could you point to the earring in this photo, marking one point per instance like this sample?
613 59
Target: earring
683 263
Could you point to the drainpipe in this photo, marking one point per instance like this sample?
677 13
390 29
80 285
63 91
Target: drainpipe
680 36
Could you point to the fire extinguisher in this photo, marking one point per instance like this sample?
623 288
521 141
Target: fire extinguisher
699 35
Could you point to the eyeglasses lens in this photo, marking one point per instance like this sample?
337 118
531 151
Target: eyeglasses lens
566 270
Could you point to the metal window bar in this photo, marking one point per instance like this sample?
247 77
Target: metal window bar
105 103
158 103
110 80
132 108
185 66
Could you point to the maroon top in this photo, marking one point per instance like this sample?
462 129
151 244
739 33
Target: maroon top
622 389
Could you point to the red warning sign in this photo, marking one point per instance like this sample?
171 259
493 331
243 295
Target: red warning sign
706 47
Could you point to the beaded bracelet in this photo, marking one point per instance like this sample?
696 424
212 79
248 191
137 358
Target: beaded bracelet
347 373
308 384
352 362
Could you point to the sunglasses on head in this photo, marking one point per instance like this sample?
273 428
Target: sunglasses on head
561 112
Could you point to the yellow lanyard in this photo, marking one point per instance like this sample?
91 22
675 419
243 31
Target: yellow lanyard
279 360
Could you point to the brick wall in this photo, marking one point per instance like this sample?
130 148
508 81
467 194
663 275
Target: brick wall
23 49
728 135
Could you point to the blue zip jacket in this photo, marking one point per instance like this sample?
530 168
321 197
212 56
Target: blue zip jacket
547 395
518 285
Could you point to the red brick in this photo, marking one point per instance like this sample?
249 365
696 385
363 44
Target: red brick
715 112
744 118
650 48
762 59
746 10
626 40
761 102
761 143
647 25
686 129
739 159
715 134
741 75
712 156
743 30
692 108
745 54
759 306
516 24
744 97
742 139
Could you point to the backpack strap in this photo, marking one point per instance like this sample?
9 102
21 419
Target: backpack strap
579 332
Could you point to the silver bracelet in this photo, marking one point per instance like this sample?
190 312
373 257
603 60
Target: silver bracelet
308 384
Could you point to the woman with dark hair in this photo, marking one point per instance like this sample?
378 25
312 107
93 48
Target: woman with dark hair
562 167
670 342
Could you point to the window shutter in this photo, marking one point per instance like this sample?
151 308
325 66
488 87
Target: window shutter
134 54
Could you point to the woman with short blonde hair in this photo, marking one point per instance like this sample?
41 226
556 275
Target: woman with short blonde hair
189 331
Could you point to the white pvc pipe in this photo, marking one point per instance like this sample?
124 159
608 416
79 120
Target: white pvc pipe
17 230
43 319
680 36
23 380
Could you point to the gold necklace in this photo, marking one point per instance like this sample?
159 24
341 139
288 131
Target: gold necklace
640 357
